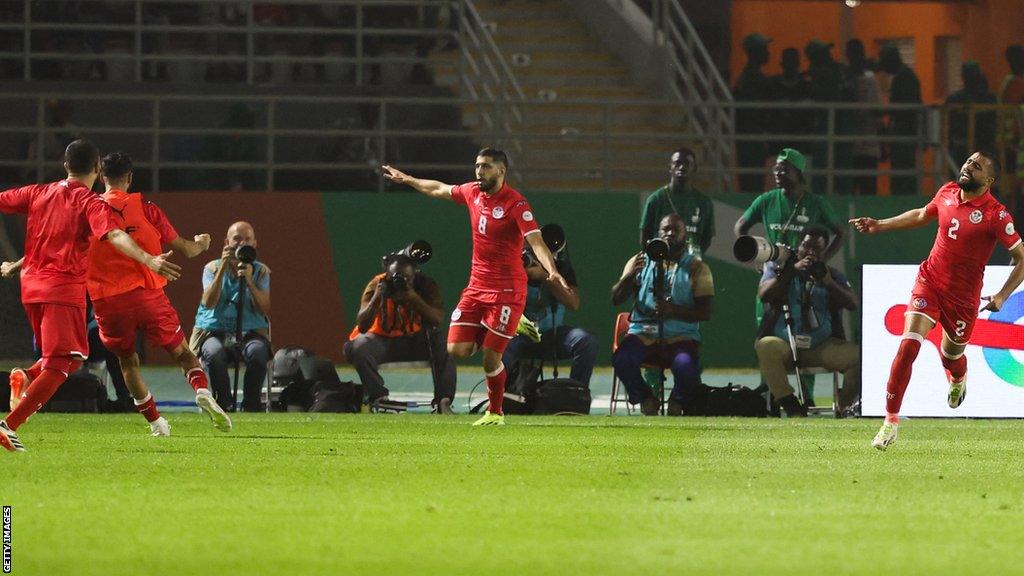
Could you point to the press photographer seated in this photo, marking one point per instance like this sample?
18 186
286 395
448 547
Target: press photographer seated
215 338
399 308
546 302
812 291
674 291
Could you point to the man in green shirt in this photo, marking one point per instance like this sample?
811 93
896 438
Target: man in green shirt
790 209
680 197
787 212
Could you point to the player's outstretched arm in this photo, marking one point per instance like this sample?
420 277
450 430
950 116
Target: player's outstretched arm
431 188
8 269
910 219
540 249
191 248
159 264
995 301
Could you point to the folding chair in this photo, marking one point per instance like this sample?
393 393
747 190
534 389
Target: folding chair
621 327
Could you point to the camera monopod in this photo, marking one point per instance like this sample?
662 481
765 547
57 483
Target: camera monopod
792 347
246 255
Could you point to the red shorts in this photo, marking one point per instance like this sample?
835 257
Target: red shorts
957 320
60 333
121 317
487 318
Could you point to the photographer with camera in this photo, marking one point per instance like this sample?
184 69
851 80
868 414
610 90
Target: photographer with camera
215 336
546 302
674 291
398 321
813 291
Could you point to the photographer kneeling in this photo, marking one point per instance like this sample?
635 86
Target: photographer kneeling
398 318
674 291
812 290
215 336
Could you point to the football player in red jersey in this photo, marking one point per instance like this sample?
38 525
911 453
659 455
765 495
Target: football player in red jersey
488 312
62 216
948 287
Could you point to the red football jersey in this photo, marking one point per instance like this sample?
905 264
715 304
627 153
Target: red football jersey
968 232
61 218
499 222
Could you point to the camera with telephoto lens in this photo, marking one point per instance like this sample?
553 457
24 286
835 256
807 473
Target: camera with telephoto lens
816 271
419 252
554 238
656 249
759 250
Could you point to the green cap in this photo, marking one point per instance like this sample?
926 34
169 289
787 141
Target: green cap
793 157
755 40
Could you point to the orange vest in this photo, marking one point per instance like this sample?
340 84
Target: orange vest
111 272
402 323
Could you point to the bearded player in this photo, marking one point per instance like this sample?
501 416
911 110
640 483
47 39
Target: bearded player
948 287
491 305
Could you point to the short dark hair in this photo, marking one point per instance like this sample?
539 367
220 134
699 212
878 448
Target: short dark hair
819 231
997 167
116 165
684 151
496 155
81 156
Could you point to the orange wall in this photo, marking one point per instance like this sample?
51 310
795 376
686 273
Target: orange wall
986 27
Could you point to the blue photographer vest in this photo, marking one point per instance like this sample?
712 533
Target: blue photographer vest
818 306
678 286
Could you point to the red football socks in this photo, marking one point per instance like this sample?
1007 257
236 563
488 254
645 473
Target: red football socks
197 379
39 392
147 407
957 368
899 375
496 389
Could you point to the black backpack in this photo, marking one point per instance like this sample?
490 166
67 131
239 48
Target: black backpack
561 396
81 392
732 400
327 392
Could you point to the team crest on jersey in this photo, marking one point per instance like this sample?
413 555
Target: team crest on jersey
976 217
528 216
456 314
920 303
1009 228
498 212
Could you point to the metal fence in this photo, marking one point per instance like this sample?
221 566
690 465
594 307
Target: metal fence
276 142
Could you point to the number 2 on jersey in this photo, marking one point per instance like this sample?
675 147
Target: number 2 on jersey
954 225
481 226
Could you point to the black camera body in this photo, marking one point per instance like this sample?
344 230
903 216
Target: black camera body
554 238
245 254
395 283
817 271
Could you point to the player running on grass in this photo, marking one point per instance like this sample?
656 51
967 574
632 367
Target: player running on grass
488 312
127 297
948 287
62 216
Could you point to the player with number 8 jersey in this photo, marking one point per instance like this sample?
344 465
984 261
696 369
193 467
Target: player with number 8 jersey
947 291
491 305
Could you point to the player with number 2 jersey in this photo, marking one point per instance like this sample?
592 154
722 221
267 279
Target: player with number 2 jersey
947 291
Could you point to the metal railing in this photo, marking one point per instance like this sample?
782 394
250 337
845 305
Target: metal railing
282 142
486 77
219 40
696 82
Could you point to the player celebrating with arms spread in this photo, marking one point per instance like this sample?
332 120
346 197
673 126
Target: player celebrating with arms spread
948 287
488 312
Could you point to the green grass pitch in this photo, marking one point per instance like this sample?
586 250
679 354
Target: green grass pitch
423 494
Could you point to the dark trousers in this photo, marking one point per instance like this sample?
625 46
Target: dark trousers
682 357
368 351
216 358
574 343
98 352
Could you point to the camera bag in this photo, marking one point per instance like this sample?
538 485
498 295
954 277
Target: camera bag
561 396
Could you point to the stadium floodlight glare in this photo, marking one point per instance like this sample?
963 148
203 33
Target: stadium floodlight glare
852 3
